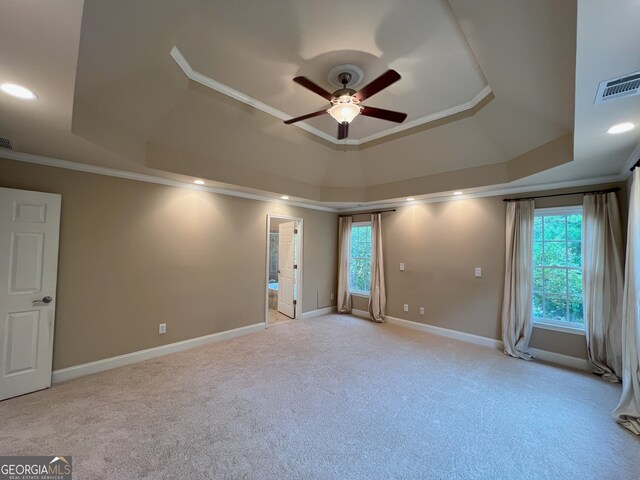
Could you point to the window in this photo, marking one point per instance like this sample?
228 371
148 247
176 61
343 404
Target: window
557 267
360 258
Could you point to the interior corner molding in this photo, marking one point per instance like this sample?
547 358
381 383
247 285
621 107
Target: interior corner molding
544 355
202 79
143 177
142 355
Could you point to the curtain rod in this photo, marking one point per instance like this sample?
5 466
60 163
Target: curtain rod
636 165
367 212
608 190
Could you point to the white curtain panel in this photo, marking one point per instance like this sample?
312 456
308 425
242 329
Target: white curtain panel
603 283
344 247
378 295
518 279
627 412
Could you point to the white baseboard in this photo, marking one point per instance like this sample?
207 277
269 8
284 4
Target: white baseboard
319 312
141 355
544 355
560 359
445 332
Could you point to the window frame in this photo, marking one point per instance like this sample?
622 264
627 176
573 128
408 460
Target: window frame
547 323
358 293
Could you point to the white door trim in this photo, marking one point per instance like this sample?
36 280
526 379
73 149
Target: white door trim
298 261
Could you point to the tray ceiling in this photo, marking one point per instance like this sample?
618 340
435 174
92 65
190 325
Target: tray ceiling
496 79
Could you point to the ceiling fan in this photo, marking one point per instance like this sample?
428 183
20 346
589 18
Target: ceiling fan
345 102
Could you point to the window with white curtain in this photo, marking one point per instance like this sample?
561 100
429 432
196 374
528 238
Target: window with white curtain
360 258
557 268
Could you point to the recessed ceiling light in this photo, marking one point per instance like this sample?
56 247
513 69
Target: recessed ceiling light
621 128
410 199
199 182
17 91
285 197
457 193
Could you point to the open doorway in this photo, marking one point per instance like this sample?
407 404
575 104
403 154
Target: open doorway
284 269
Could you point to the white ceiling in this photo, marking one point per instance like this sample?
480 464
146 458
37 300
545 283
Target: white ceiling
235 45
109 93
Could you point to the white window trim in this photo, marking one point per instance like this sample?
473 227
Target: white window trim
358 293
556 325
566 210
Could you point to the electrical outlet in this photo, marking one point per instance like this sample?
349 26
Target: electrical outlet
478 272
406 307
402 267
162 328
421 310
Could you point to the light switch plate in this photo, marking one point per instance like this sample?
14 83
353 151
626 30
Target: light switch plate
162 328
402 267
421 310
478 272
406 307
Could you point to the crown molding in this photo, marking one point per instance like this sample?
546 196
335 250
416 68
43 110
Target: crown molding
241 97
430 118
202 79
490 191
633 158
143 177
480 192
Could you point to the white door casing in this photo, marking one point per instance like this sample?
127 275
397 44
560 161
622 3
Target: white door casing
285 269
29 235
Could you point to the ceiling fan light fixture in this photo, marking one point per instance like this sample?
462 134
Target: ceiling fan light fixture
345 110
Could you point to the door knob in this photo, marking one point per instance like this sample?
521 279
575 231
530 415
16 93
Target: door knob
45 300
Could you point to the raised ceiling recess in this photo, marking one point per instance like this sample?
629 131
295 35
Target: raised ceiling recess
114 92
370 129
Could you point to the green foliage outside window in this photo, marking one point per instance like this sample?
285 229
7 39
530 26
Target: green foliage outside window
360 264
557 262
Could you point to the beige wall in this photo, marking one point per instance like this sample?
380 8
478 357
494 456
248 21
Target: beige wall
440 245
135 254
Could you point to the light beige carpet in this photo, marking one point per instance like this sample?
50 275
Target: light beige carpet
333 397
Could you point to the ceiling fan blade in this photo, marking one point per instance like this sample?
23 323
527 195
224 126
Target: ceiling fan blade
343 130
380 83
389 115
304 117
309 85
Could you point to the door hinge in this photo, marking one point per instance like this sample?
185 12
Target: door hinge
295 267
295 231
295 302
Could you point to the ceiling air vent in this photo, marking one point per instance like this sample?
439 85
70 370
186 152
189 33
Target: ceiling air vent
5 143
618 88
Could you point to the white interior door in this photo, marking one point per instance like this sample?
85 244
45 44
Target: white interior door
29 232
285 269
